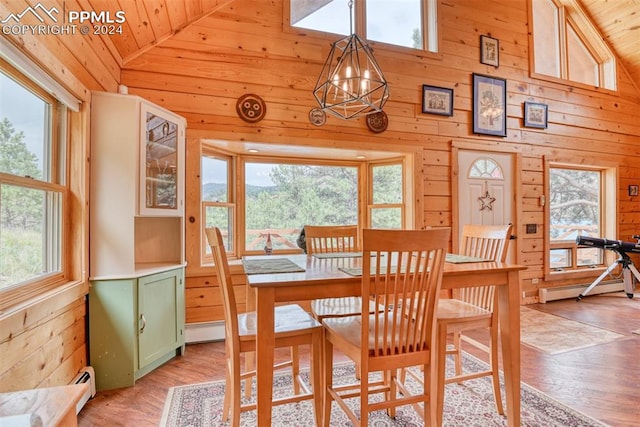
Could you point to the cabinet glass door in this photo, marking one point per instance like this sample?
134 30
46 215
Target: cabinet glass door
161 166
161 162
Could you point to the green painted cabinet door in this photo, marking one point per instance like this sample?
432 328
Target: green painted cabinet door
160 315
135 325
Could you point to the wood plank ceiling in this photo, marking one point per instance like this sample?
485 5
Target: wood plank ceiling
150 22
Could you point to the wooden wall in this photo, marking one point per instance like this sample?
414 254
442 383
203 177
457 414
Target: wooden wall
245 48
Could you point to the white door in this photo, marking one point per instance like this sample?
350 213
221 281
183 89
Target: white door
485 189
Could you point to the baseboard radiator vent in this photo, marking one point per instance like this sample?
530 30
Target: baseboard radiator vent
572 291
86 375
204 332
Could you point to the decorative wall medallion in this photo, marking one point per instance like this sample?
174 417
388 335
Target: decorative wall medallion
377 122
251 108
317 116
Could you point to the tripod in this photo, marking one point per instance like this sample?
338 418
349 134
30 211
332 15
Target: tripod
627 269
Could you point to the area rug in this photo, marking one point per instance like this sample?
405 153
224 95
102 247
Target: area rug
554 334
469 405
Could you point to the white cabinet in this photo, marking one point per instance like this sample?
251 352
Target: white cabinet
136 243
136 187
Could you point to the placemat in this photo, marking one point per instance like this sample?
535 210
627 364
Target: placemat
339 255
460 259
269 266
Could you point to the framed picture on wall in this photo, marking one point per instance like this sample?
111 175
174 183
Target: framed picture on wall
437 100
489 51
489 105
535 115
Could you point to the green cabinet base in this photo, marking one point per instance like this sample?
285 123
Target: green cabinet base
135 325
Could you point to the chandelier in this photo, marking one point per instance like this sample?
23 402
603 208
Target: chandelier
351 83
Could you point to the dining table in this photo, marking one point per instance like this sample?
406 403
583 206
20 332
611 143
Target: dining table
307 277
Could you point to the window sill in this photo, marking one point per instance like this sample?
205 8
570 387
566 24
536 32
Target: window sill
591 273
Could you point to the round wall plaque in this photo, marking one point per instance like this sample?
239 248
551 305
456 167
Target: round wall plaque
317 116
377 122
251 108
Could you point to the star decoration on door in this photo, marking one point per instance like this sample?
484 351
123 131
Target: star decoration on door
486 201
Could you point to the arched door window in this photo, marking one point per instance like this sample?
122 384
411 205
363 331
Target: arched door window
484 168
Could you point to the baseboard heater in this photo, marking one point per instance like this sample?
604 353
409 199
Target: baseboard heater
86 375
572 291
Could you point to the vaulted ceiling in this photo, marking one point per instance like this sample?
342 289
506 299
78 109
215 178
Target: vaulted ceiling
151 22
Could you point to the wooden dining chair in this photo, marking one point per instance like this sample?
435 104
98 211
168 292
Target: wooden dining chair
401 270
472 309
293 327
323 239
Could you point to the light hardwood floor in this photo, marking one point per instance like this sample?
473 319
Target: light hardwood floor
602 381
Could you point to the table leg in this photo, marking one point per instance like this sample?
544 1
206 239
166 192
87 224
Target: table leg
509 313
265 343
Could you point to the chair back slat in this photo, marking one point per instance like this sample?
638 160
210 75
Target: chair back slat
486 241
328 238
223 273
489 242
402 270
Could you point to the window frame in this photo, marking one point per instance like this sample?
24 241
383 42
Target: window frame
571 14
371 205
55 182
230 203
237 181
241 202
608 216
431 34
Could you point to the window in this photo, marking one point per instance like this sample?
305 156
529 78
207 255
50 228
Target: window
409 23
281 198
485 169
567 46
218 202
32 186
386 207
579 205
277 197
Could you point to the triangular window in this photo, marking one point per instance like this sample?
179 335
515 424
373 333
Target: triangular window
567 46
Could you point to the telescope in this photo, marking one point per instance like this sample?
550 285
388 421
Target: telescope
628 269
614 245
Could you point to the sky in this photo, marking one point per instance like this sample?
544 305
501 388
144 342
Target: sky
256 174
385 19
25 111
